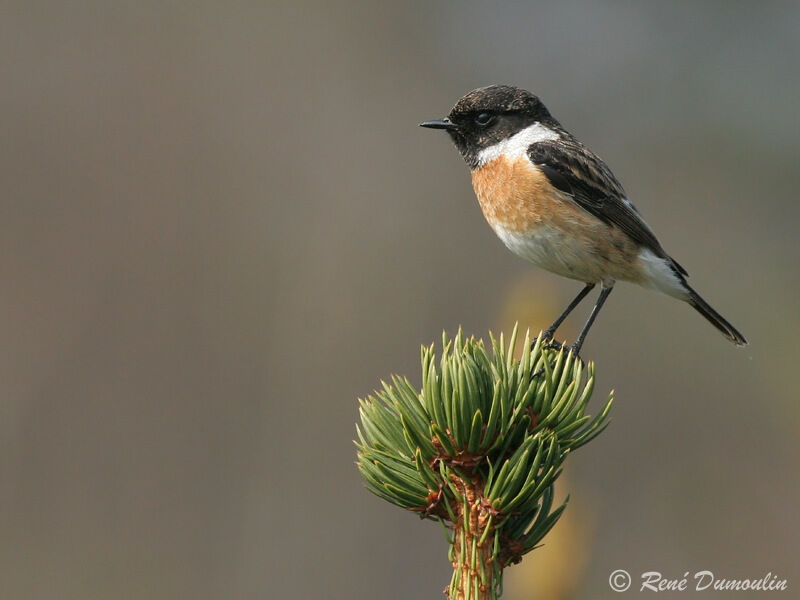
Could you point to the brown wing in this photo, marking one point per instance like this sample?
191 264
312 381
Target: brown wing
575 170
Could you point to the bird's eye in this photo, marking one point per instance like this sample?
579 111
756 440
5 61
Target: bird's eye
483 119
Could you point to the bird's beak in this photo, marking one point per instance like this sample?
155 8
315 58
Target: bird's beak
440 124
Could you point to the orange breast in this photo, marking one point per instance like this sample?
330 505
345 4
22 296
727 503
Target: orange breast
517 199
517 196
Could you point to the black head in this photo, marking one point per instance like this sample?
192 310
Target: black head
490 115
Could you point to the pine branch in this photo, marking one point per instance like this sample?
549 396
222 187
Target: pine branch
479 449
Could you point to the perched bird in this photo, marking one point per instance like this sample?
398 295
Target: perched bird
554 202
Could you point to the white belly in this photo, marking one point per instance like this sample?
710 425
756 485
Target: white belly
552 249
558 252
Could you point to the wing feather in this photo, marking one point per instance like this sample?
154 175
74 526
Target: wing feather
578 172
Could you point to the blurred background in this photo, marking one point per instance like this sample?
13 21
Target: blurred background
221 225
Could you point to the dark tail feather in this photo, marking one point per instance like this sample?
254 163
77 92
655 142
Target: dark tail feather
716 319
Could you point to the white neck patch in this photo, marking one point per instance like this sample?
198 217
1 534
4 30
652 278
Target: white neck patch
517 145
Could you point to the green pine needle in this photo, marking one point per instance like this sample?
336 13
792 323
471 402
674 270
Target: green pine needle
479 447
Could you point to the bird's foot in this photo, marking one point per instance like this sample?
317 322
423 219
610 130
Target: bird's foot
556 345
551 344
547 340
548 343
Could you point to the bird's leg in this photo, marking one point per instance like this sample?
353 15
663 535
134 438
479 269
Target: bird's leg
550 331
576 347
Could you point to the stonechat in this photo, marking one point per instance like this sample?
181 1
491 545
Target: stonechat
555 203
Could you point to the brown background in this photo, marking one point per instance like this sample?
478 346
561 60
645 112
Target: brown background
220 225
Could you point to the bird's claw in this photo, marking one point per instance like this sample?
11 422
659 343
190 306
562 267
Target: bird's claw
548 343
556 345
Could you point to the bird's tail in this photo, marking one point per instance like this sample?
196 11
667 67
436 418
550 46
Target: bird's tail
716 319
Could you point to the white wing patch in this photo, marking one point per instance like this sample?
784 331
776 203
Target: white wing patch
517 145
659 275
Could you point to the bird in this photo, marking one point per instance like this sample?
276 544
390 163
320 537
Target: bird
555 203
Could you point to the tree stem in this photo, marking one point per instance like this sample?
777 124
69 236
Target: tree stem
476 575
